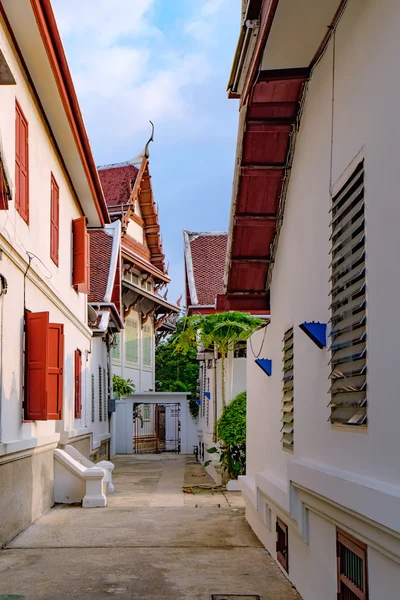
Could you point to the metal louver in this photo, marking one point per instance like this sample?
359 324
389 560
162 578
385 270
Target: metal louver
348 304
287 406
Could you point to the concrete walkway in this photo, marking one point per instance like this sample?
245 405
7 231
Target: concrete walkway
153 541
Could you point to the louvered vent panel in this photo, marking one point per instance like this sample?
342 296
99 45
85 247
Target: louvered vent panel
348 304
287 406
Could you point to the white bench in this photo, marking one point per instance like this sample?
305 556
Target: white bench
106 465
73 482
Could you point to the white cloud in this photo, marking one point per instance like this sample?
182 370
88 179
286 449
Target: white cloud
204 26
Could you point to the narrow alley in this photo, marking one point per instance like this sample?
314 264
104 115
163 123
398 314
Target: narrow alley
165 534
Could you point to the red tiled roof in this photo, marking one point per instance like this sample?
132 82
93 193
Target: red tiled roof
208 259
100 257
117 183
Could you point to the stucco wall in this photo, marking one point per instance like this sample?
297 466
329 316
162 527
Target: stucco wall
26 491
355 469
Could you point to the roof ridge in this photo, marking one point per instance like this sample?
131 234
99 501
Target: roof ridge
205 233
117 165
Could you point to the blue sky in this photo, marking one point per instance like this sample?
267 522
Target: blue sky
168 61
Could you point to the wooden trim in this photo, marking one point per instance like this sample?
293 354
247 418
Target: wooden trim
137 247
55 52
328 34
360 549
54 221
137 219
267 15
22 208
277 74
39 106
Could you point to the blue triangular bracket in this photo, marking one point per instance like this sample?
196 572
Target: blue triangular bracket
316 332
265 364
207 395
198 401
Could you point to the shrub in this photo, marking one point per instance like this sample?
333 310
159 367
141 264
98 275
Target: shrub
231 429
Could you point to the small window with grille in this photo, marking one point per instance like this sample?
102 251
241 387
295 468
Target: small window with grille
352 567
287 402
93 402
100 395
348 304
282 544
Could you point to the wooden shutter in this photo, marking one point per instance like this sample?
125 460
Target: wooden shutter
44 359
81 255
55 371
21 164
54 219
4 191
116 293
288 390
78 384
36 365
348 304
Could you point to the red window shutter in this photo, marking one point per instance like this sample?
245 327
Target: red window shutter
21 164
78 384
116 294
36 365
55 371
81 255
54 220
3 190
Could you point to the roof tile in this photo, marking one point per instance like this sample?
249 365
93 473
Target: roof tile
117 183
208 258
100 257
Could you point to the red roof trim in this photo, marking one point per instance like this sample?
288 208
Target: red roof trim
52 42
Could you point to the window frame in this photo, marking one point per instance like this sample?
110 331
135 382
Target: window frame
145 337
54 220
129 320
348 346
352 544
287 429
281 556
78 384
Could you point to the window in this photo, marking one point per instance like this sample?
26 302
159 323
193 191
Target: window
100 395
44 360
105 396
116 348
282 546
21 164
131 341
146 412
54 220
78 384
348 304
93 401
81 255
146 346
287 403
352 567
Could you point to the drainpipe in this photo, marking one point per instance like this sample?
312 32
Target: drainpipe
3 292
215 407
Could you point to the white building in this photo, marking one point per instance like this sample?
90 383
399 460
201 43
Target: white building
318 129
146 313
49 194
205 255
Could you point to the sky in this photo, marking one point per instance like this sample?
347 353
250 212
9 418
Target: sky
167 61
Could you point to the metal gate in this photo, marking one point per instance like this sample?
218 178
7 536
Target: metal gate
156 428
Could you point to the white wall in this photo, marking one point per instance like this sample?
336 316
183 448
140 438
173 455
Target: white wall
47 286
356 469
143 376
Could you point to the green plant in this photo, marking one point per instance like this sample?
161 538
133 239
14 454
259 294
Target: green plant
177 372
122 387
231 429
221 332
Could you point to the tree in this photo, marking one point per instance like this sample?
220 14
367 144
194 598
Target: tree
177 372
221 332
